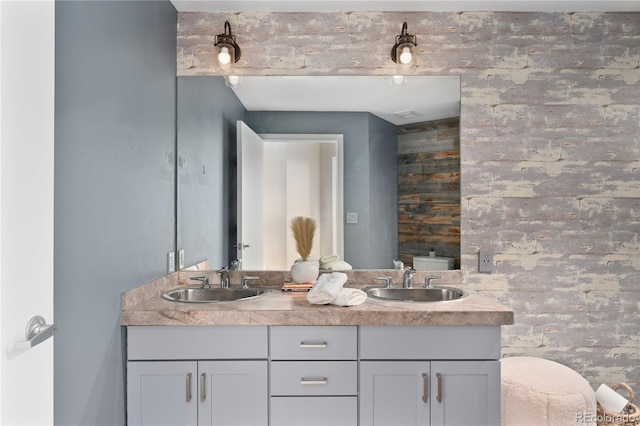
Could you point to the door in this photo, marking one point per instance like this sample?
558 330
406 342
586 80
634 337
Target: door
27 34
250 197
162 393
232 393
394 393
465 393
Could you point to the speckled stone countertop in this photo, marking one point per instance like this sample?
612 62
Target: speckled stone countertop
145 306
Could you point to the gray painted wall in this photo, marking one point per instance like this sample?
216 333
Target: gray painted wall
370 156
207 115
114 186
550 147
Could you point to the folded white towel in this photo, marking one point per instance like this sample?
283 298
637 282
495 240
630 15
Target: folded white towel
326 288
339 265
327 260
350 297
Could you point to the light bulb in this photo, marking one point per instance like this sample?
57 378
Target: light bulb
232 80
224 57
406 56
398 80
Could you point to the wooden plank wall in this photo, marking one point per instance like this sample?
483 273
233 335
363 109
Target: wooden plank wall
429 189
549 151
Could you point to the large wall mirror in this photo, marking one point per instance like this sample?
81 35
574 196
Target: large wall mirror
375 160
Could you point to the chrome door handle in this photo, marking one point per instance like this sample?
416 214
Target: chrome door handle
188 390
37 331
439 396
203 396
425 388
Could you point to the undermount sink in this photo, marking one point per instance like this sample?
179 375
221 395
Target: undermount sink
434 294
212 294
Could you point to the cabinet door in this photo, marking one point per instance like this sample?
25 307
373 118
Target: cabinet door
162 393
469 393
232 393
394 393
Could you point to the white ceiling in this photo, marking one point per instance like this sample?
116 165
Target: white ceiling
407 5
423 98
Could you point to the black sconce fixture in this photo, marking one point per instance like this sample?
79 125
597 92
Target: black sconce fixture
403 52
227 50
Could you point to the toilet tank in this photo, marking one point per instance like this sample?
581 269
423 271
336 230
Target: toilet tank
427 263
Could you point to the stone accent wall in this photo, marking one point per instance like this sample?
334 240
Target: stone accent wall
429 189
550 153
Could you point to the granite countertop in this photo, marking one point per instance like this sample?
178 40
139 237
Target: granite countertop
145 306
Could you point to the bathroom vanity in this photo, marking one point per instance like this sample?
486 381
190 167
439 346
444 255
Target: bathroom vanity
277 360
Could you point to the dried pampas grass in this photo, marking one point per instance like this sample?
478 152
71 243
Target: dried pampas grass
303 229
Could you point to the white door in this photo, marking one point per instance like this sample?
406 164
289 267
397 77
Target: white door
250 197
27 38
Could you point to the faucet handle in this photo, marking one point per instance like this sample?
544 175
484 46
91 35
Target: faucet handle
222 269
246 279
204 280
427 281
388 281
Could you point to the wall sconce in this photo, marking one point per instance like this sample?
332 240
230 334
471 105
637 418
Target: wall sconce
227 50
403 52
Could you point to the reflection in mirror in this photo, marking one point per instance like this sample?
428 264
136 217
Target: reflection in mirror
400 153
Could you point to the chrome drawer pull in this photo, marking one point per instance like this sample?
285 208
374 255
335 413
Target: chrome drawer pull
313 345
439 396
314 381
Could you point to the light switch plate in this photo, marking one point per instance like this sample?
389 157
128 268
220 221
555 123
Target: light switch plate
352 217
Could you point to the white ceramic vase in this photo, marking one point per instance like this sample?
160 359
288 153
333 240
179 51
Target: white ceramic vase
305 271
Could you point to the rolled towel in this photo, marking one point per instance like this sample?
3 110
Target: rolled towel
339 265
350 297
327 259
326 288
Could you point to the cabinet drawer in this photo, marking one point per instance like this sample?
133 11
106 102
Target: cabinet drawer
430 342
311 343
314 411
314 378
196 342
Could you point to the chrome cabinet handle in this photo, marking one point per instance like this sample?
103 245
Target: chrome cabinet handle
425 388
203 396
313 381
313 345
188 390
439 396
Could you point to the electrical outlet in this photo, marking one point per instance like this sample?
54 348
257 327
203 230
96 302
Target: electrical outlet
485 261
352 217
180 259
171 261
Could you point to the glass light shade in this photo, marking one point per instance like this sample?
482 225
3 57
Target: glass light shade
225 56
406 59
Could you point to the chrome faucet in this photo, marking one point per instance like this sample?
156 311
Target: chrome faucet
407 278
204 280
224 277
427 281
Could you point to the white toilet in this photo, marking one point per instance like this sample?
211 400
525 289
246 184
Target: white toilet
428 263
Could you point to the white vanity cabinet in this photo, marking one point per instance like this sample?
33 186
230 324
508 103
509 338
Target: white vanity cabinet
223 381
439 375
314 375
